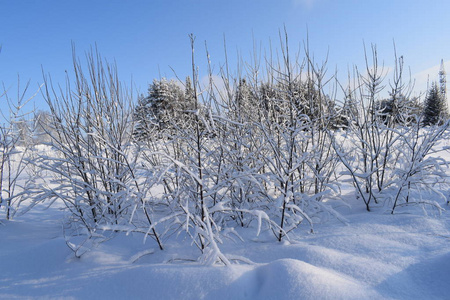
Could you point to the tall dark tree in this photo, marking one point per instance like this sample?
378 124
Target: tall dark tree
435 110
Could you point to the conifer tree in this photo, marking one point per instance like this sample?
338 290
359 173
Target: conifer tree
243 101
435 107
162 110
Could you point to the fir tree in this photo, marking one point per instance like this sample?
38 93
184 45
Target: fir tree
143 123
162 110
243 102
435 107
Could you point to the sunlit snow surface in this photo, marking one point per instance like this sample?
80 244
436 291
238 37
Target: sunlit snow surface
375 256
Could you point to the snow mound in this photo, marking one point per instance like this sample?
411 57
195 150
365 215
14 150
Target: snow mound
294 279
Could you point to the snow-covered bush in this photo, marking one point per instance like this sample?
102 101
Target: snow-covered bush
204 195
258 152
15 151
420 168
385 153
258 161
93 159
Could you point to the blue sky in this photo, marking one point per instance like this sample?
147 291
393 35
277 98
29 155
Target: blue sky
148 38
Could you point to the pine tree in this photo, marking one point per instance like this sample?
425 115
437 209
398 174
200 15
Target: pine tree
243 102
269 107
143 124
435 107
162 110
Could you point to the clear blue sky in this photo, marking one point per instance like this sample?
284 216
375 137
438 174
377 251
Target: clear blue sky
146 38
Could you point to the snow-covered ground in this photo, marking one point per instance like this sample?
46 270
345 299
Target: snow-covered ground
375 256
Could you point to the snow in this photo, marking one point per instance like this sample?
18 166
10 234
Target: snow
375 255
